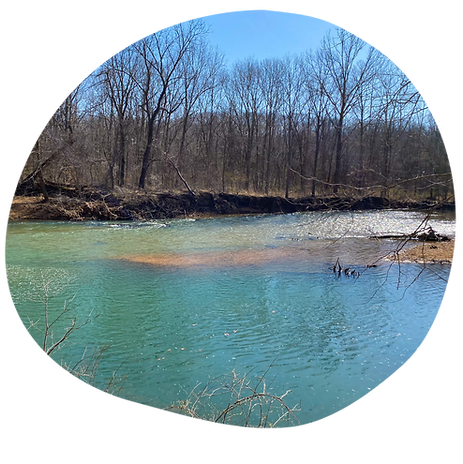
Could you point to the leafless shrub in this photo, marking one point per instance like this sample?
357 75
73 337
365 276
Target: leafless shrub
87 367
248 402
51 342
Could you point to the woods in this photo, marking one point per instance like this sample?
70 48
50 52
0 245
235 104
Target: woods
169 114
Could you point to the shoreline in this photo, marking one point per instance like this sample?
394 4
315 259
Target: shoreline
136 206
143 207
428 253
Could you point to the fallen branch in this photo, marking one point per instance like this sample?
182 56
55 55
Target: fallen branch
179 174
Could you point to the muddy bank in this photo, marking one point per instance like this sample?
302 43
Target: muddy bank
429 252
99 205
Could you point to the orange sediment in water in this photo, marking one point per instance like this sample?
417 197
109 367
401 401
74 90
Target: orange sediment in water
214 259
433 252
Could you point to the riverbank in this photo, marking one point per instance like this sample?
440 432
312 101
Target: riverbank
429 252
99 205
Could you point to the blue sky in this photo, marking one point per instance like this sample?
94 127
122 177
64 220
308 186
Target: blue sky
264 32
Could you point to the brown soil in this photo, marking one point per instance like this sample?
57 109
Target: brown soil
27 208
99 205
429 252
58 209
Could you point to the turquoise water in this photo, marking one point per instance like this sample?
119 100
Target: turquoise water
184 302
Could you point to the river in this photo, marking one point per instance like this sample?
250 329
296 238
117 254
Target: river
178 304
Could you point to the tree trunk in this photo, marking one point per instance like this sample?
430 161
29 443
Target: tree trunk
288 156
42 186
121 155
146 154
288 172
338 157
316 155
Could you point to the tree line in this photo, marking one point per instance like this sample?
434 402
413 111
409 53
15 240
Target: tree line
167 113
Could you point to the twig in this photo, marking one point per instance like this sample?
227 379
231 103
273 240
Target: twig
245 403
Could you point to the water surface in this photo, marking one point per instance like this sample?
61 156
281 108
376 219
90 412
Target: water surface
183 302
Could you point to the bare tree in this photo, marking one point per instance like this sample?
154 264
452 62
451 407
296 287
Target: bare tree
271 84
161 55
166 111
118 78
292 111
200 73
340 58
210 133
245 99
315 83
400 102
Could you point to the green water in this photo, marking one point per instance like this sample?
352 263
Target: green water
184 302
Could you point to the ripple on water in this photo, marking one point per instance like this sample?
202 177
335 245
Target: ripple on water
182 303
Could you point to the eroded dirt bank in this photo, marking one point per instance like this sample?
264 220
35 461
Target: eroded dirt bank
142 206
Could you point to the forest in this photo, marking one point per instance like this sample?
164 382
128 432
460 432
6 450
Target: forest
168 114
